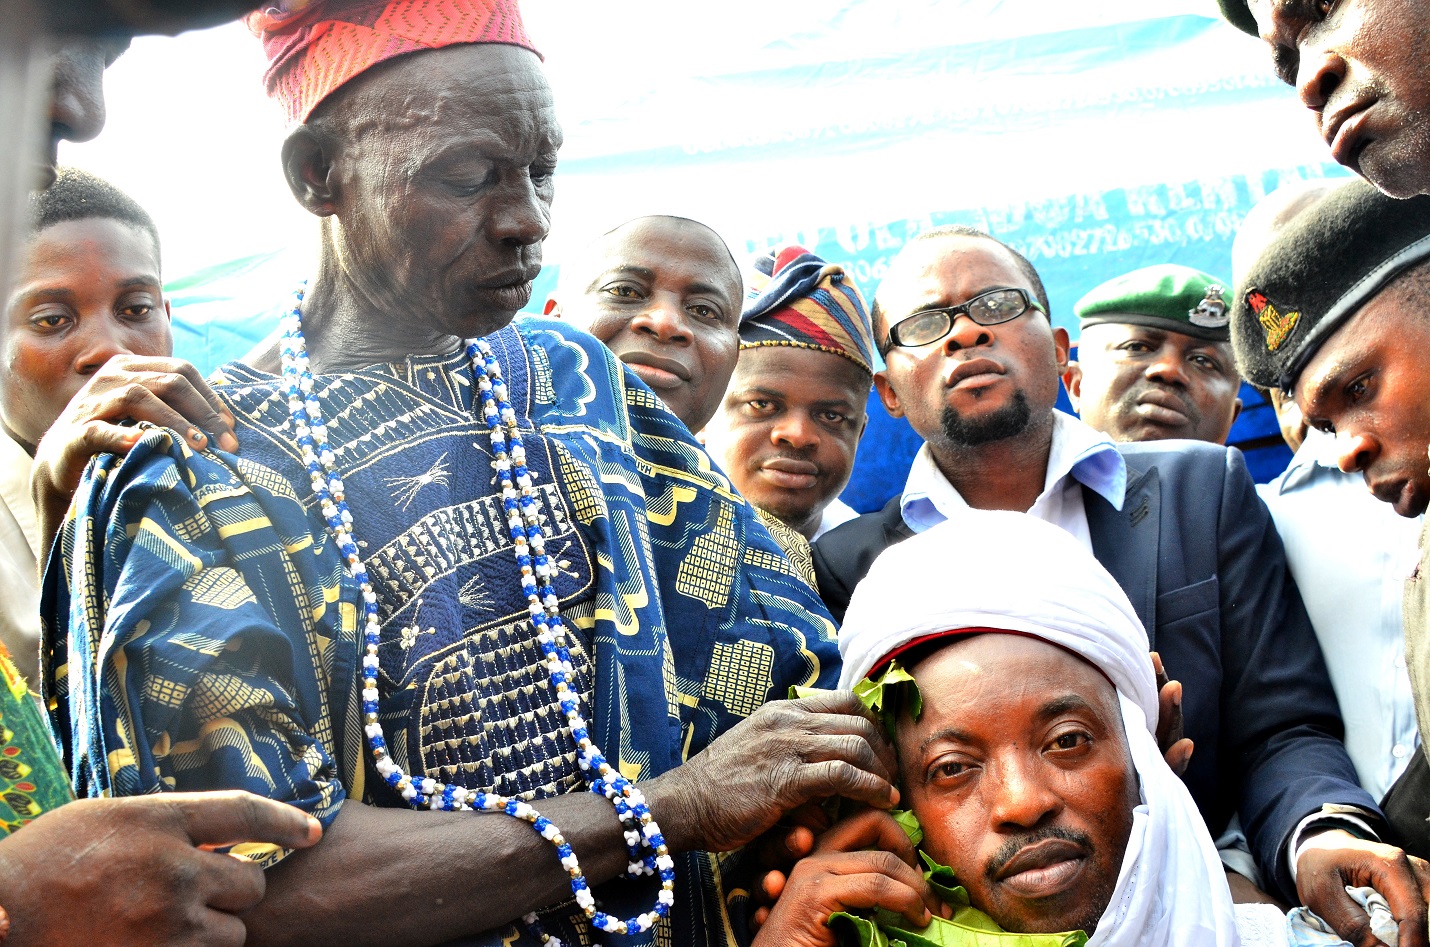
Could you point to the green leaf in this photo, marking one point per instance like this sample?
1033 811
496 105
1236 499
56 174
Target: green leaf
910 824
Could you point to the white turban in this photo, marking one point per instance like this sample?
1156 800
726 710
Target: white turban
1011 571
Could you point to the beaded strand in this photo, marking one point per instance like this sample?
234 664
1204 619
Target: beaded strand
644 840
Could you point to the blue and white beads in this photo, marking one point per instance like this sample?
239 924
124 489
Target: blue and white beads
644 841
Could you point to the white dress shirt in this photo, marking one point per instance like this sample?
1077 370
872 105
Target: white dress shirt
19 552
835 514
1349 554
1080 457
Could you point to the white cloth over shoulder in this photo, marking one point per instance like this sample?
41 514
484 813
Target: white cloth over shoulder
1011 571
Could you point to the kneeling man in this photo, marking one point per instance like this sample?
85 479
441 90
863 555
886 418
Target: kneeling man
1024 708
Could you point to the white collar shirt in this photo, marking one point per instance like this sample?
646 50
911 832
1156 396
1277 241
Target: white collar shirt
1080 457
1349 554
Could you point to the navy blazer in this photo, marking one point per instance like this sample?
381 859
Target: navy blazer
1195 550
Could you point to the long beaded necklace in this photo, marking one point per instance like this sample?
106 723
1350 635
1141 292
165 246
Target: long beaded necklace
644 841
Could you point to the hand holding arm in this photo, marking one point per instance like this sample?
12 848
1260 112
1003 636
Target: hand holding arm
168 392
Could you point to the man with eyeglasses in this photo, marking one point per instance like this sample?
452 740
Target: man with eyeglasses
973 361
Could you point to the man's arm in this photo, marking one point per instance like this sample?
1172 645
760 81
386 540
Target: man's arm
1281 726
783 755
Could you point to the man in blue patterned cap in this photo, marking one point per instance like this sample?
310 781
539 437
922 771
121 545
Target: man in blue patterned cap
792 417
1154 358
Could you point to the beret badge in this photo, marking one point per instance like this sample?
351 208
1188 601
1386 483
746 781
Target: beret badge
1211 312
1275 324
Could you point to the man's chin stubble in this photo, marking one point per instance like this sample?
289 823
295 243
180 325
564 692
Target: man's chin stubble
1008 421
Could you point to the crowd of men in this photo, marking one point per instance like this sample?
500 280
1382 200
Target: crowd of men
426 622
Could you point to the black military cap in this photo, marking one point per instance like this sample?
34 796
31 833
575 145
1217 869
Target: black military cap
1238 14
1327 262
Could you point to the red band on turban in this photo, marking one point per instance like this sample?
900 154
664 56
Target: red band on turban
315 46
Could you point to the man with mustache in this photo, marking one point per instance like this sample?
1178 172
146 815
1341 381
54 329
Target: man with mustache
663 294
1153 358
1024 710
1360 67
791 420
1333 313
973 362
462 570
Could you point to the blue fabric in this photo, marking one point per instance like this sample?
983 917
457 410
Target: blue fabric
204 633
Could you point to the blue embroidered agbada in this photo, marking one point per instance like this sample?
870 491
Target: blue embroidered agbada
203 634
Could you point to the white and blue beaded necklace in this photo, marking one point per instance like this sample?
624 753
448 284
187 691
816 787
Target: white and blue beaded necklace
644 841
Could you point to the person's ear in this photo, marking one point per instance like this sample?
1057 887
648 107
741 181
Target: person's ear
1063 346
308 167
1072 381
1235 410
168 314
887 395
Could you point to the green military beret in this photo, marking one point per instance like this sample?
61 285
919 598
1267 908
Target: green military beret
1238 14
1324 265
1171 297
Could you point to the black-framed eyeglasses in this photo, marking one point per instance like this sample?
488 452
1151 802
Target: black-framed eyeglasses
986 309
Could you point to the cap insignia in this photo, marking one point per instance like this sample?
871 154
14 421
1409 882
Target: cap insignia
1275 324
1211 311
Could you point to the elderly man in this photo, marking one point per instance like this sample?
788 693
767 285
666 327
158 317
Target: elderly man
447 572
1333 313
795 410
973 362
1153 358
1360 67
663 294
1049 801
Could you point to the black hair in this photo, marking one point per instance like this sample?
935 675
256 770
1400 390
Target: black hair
79 195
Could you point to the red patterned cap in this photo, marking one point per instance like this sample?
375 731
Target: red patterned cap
316 46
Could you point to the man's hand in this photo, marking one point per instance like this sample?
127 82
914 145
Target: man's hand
1330 862
842 876
135 871
785 754
168 392
1176 749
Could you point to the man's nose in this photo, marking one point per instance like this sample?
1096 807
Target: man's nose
966 334
1022 797
1355 451
103 339
522 217
664 319
1168 368
1319 75
795 429
77 91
